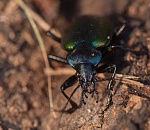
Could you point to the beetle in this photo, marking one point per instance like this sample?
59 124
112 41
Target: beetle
87 41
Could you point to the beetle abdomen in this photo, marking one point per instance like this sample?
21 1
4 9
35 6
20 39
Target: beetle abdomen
87 29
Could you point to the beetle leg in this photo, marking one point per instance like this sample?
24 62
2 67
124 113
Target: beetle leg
93 90
82 97
146 52
50 34
103 68
112 77
109 86
120 30
68 83
57 58
109 101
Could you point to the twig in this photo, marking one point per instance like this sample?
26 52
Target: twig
126 79
40 21
41 43
130 81
62 71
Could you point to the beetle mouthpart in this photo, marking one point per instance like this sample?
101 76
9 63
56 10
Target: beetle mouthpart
85 72
88 87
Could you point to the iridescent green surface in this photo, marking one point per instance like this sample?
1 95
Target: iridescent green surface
88 29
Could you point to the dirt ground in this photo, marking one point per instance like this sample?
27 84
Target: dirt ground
24 101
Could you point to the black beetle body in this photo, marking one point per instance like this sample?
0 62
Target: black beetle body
83 41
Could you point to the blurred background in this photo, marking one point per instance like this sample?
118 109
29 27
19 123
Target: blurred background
24 101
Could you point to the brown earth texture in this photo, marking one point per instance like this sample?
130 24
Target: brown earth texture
24 95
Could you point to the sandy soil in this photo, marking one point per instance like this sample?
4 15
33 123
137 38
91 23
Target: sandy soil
24 102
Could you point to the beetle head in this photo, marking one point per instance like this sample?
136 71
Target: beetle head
84 58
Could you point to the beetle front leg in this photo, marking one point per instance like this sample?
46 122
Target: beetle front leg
68 83
109 86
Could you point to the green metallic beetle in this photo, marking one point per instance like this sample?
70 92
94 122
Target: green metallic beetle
92 30
87 41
